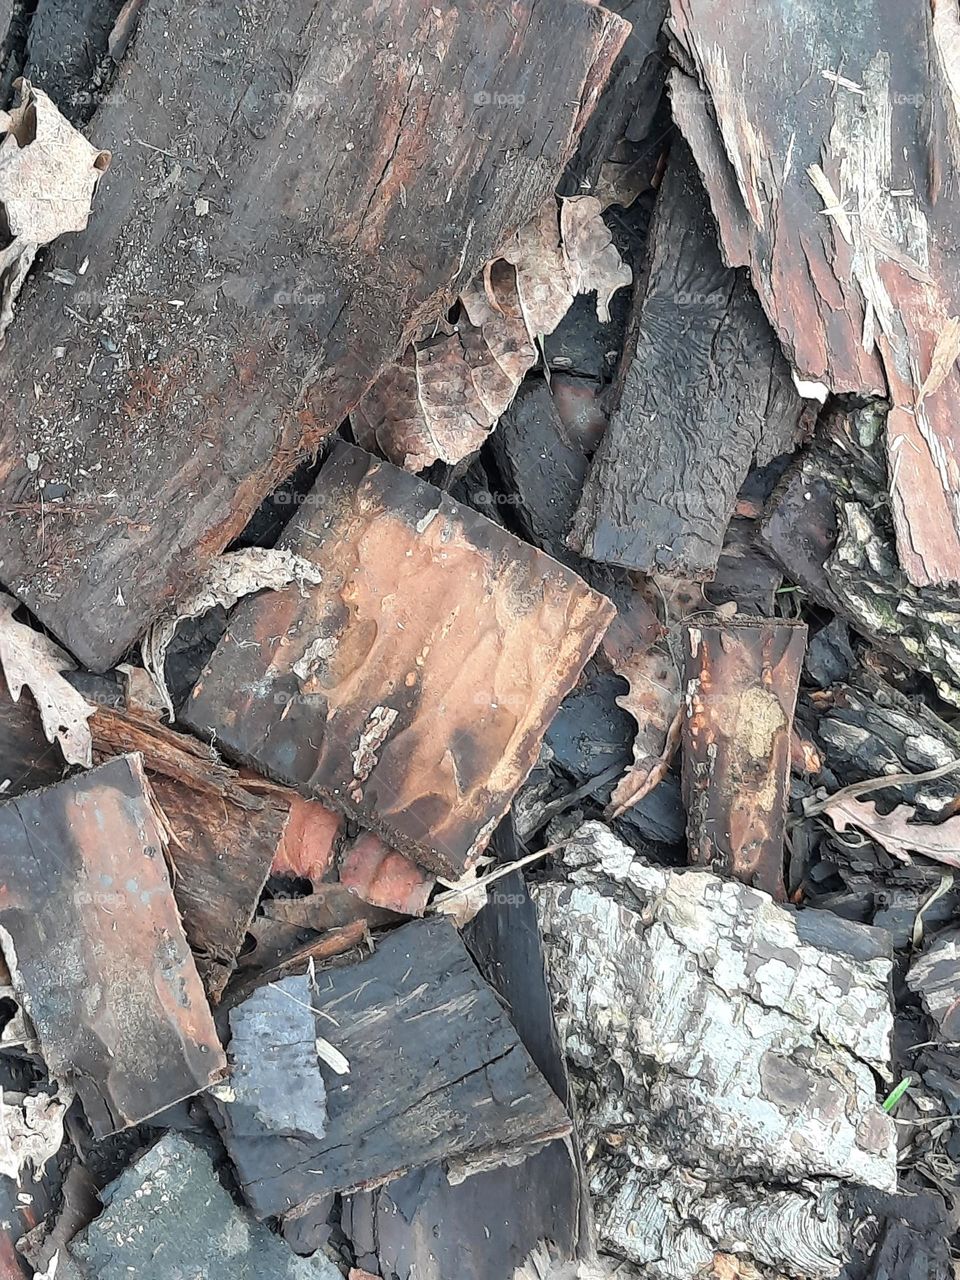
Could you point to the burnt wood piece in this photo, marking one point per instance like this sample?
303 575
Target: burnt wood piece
740 681
830 151
629 101
411 688
67 53
228 831
436 1072
705 393
830 525
379 875
168 1215
935 978
96 949
322 180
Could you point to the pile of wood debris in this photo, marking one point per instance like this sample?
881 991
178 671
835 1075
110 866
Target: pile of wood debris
479 744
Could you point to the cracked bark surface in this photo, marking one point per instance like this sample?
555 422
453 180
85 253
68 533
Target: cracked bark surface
830 150
436 1074
411 688
705 393
318 185
830 525
723 1052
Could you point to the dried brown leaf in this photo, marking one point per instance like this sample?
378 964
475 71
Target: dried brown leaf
543 285
896 833
30 658
944 357
593 263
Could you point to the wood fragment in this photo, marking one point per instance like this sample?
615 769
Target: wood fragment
411 688
120 1012
201 365
381 876
705 392
436 1073
740 689
933 976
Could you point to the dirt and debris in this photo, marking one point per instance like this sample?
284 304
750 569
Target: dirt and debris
480 700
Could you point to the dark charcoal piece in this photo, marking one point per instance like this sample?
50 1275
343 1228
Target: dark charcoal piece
243 289
830 657
97 953
67 48
706 392
436 1072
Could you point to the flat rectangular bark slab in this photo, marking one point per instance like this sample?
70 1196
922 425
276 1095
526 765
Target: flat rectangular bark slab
168 1215
321 181
229 832
411 688
740 680
97 953
705 392
436 1073
830 152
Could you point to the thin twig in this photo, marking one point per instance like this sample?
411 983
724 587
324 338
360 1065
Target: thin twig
879 784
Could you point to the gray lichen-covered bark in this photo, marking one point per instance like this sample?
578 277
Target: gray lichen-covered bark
724 1052
830 525
168 1217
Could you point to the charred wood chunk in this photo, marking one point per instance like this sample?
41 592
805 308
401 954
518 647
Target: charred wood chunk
854 262
168 1215
411 688
418 1063
242 291
935 977
67 52
741 683
722 1051
706 391
96 950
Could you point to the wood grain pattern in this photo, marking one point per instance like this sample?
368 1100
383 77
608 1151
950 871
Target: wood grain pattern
436 1073
320 181
706 392
741 682
96 950
411 688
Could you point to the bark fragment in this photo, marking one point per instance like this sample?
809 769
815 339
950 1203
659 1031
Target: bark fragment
740 681
381 876
722 1050
201 359
448 646
933 976
705 392
436 1072
120 1012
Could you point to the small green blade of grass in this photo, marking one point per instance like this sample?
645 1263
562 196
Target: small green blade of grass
895 1094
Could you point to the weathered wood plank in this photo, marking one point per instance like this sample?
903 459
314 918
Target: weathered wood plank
411 688
96 950
830 150
740 681
436 1072
320 181
705 393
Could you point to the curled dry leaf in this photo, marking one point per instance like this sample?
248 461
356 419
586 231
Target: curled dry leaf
445 396
30 658
31 1130
593 263
228 579
896 833
48 174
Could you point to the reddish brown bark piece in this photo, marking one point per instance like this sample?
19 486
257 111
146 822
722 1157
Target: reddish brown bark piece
741 682
411 688
229 831
381 876
96 949
322 179
830 152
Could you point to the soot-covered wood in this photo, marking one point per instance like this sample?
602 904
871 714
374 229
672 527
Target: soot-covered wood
292 192
740 681
705 392
411 688
92 936
436 1072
